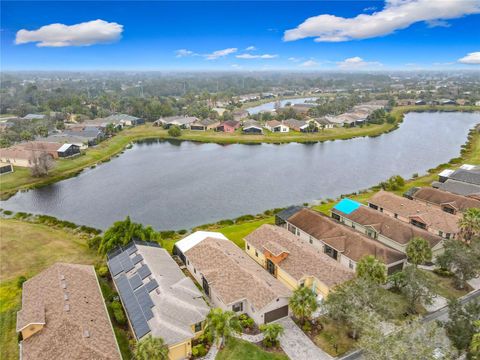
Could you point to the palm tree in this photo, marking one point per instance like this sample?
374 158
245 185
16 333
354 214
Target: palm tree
372 269
271 332
418 251
303 303
151 348
470 224
223 325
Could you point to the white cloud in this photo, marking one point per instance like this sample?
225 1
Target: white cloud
309 63
294 59
472 58
83 34
396 15
251 48
356 63
184 53
251 56
220 53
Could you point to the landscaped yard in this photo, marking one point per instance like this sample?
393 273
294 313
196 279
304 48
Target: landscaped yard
334 338
445 287
236 349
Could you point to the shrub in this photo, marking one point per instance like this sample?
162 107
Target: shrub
244 218
21 215
182 232
307 327
167 234
103 271
118 313
443 272
20 281
247 322
174 131
199 350
415 175
8 212
94 242
225 222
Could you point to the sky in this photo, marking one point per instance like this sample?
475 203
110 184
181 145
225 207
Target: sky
240 35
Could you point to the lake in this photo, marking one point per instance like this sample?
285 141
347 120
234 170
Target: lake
176 185
271 105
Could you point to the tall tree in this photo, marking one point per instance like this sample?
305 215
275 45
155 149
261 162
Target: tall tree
475 343
122 232
151 348
418 251
417 288
412 341
462 258
460 326
372 269
470 224
222 325
303 303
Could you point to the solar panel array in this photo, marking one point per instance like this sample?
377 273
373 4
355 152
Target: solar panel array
135 296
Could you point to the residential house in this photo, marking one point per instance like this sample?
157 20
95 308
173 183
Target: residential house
231 279
324 123
427 217
63 316
24 154
89 135
420 102
68 150
228 126
405 102
276 126
379 226
158 298
124 120
183 122
296 125
205 124
466 173
252 127
458 187
34 117
338 241
239 115
295 262
5 168
448 202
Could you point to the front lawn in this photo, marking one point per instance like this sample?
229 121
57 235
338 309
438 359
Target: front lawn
237 349
444 286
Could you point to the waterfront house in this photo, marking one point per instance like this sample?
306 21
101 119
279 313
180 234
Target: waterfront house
239 115
466 173
420 102
183 122
295 262
68 150
228 126
252 127
297 125
338 241
205 124
379 226
323 123
231 279
158 298
458 187
24 154
276 126
451 203
63 316
5 168
89 135
424 216
123 120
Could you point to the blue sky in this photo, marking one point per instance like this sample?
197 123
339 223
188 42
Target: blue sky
182 35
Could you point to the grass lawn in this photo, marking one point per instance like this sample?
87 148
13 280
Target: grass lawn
237 349
444 286
27 248
334 334
236 233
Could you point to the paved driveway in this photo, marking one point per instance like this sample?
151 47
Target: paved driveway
297 345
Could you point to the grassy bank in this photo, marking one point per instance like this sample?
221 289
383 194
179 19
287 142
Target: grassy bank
21 179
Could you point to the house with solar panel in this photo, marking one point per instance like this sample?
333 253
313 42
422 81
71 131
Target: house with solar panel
158 298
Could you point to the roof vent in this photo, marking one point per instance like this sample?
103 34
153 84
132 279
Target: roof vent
62 277
86 333
66 307
65 296
64 285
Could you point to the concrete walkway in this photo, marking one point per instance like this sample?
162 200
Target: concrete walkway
212 353
250 338
297 345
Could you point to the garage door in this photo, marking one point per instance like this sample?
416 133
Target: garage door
276 314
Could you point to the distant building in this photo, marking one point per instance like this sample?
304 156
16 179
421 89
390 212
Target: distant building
67 150
63 316
228 126
124 120
204 125
252 127
277 126
448 202
34 117
183 122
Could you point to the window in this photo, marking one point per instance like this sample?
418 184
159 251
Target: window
311 240
351 265
188 262
353 226
381 209
440 233
447 236
248 247
302 284
395 216
198 327
237 307
194 270
256 253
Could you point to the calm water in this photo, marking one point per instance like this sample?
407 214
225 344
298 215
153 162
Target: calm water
271 105
180 185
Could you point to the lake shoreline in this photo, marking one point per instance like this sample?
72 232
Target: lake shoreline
21 179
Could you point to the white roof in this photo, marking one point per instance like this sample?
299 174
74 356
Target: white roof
446 173
64 147
468 167
198 236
